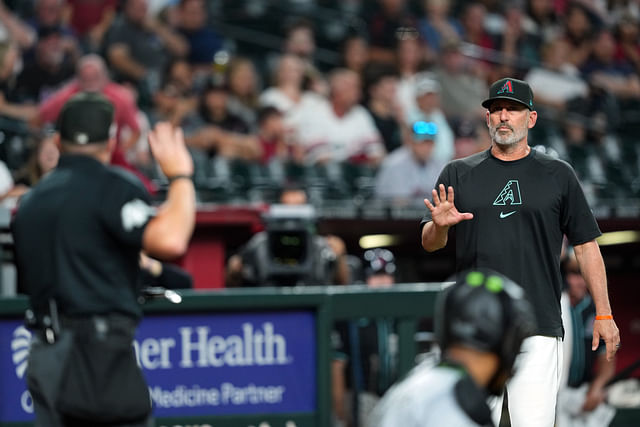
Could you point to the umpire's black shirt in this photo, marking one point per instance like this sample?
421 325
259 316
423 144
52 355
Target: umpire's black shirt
78 235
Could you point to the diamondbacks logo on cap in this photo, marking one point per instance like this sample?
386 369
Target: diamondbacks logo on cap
506 87
512 90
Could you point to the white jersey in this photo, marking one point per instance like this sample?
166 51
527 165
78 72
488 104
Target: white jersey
427 398
324 135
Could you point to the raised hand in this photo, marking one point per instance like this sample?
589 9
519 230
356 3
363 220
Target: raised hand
169 150
443 211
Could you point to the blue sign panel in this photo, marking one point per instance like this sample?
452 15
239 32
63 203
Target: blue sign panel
199 364
15 401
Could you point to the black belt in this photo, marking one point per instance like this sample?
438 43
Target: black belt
50 322
114 320
98 324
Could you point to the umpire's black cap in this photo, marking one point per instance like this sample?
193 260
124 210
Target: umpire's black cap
511 89
85 118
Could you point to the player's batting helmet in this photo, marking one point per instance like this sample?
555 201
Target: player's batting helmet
486 311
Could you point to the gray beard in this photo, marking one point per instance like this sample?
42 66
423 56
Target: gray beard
513 138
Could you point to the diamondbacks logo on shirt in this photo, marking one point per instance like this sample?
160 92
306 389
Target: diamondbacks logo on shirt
509 196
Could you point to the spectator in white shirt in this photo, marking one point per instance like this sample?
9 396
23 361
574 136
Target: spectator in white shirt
287 93
340 129
557 81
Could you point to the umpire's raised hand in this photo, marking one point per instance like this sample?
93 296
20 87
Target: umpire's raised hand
167 235
169 150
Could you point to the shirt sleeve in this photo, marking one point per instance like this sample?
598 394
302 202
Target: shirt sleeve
577 219
126 209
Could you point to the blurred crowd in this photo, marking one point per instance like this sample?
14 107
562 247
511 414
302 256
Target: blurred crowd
353 99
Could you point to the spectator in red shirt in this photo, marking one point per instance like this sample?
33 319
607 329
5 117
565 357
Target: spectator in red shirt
92 76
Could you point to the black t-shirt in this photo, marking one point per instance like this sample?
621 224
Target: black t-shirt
78 234
143 45
521 211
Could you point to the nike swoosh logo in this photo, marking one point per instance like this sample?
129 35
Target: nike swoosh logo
504 215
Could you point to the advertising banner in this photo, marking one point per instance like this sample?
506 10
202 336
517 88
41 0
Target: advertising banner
198 364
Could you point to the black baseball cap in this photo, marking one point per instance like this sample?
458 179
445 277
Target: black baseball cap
85 118
511 89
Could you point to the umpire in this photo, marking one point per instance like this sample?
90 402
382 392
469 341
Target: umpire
78 236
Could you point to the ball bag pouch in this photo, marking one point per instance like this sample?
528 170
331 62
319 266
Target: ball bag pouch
102 381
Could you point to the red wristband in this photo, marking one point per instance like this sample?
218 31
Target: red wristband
606 317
